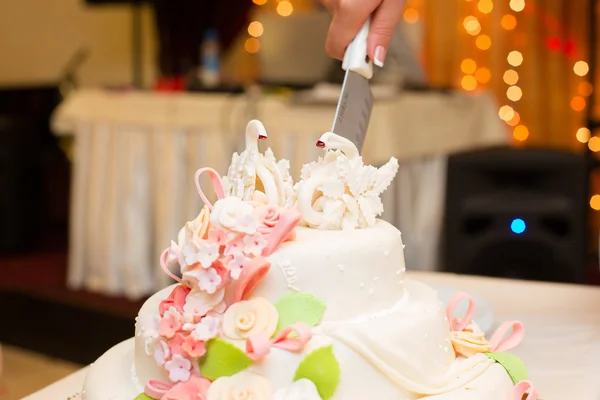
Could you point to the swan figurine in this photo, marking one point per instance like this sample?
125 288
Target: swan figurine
338 191
258 177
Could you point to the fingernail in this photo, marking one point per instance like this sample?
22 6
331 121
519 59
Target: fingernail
379 56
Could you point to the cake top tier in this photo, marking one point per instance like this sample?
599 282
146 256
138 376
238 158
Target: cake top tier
338 191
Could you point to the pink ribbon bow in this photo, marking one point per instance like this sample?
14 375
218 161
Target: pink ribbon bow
498 340
258 345
217 185
521 388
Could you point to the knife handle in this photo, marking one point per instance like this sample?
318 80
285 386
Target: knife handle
355 58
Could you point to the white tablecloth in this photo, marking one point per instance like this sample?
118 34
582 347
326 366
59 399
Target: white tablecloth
135 155
562 340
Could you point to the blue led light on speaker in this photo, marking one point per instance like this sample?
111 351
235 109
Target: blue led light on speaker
518 226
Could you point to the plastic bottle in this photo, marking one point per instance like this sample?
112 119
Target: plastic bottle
210 69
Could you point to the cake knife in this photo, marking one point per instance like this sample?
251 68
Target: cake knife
356 100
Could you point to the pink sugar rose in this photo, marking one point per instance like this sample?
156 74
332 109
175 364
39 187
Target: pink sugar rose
176 299
193 347
277 225
194 389
170 323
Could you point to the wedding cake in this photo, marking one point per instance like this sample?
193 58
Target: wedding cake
296 291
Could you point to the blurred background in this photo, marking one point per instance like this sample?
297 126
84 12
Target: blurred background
107 107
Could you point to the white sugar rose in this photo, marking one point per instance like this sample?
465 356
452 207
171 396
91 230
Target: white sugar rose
241 386
231 213
250 316
303 389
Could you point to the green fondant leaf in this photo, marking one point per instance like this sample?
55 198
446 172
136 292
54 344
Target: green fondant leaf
222 359
299 307
514 365
322 368
144 396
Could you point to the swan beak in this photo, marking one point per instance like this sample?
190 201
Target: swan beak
262 137
321 144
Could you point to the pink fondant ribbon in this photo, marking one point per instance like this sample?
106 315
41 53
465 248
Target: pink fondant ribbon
216 181
251 275
521 388
498 341
467 318
165 267
288 219
156 389
258 345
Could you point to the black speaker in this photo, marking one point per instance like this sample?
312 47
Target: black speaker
517 213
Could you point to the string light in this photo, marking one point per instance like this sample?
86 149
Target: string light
581 68
483 42
483 75
252 45
485 6
468 66
285 8
517 5
578 103
472 25
514 121
508 22
521 133
583 135
594 144
585 88
595 202
511 77
514 93
515 58
255 29
506 113
411 15
469 82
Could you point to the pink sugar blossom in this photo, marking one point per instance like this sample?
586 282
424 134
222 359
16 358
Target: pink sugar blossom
235 246
254 244
190 254
170 323
207 328
207 254
193 347
208 280
236 264
161 352
179 368
175 344
218 236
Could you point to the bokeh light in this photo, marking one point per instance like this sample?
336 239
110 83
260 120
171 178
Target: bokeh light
255 29
511 77
259 2
411 15
583 135
514 121
472 25
252 45
585 88
469 82
285 8
514 93
521 133
483 42
508 22
483 75
517 5
594 144
506 113
581 68
468 66
595 202
578 103
485 6
515 58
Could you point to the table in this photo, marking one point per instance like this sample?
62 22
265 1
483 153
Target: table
561 346
135 155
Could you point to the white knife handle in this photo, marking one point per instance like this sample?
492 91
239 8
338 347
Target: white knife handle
355 58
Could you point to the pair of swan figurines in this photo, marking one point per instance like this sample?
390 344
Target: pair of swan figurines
338 191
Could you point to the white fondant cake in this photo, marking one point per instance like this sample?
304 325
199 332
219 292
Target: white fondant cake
267 309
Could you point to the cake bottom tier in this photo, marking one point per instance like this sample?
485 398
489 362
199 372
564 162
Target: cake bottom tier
401 354
112 377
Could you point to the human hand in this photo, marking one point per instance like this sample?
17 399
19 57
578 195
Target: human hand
350 15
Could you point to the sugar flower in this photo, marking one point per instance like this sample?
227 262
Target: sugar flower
179 368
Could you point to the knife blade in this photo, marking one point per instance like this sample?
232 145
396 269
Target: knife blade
354 106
